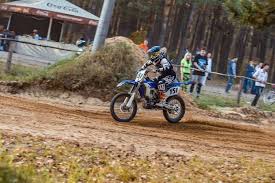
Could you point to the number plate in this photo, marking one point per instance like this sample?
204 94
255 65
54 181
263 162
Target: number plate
140 76
173 91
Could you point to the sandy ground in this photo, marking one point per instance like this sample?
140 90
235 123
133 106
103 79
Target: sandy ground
149 133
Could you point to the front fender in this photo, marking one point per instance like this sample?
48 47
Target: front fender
126 82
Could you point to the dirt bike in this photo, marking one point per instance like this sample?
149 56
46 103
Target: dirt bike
124 105
269 97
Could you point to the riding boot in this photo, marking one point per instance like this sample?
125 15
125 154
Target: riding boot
161 96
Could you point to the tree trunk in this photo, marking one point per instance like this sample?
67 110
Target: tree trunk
185 30
166 11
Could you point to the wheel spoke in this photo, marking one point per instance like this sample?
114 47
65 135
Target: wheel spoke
175 104
121 112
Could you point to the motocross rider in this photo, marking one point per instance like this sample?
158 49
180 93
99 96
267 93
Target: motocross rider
163 66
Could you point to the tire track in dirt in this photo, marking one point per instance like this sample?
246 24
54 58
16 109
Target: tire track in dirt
197 136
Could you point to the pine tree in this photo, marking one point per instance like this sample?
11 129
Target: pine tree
259 14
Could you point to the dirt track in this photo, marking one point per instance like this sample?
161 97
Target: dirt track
149 133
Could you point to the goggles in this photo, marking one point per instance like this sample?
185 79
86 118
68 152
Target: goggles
154 55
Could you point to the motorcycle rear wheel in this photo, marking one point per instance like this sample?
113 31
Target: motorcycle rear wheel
175 116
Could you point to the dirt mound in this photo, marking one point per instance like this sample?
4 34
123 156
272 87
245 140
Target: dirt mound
96 74
136 51
246 114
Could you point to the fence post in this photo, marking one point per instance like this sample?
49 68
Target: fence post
240 91
9 59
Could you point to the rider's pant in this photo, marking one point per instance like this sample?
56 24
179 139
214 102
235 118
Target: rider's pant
164 81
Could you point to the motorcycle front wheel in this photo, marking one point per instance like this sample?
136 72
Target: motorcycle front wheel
118 108
178 105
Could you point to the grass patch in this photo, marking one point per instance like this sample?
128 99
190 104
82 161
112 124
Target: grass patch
31 159
267 107
208 101
19 73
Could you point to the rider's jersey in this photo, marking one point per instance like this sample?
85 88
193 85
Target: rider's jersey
164 67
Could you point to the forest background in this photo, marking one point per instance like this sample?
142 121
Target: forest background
227 28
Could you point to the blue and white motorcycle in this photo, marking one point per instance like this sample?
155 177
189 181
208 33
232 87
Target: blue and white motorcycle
124 105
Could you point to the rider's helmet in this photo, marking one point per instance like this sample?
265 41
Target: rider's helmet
154 54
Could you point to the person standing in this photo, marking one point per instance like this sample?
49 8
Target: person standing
259 66
81 43
200 63
186 64
1 36
250 70
1 29
144 46
35 34
260 76
232 73
208 69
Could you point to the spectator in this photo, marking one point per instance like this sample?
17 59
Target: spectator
231 72
259 66
250 70
6 34
260 76
144 46
199 64
1 36
186 64
35 34
80 43
208 69
1 29
198 50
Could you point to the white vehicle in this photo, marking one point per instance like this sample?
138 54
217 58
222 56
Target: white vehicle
124 105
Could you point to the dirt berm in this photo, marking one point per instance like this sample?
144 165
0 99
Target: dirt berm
91 75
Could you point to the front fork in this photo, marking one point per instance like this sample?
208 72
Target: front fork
133 92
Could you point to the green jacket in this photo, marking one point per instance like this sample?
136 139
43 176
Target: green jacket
186 66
